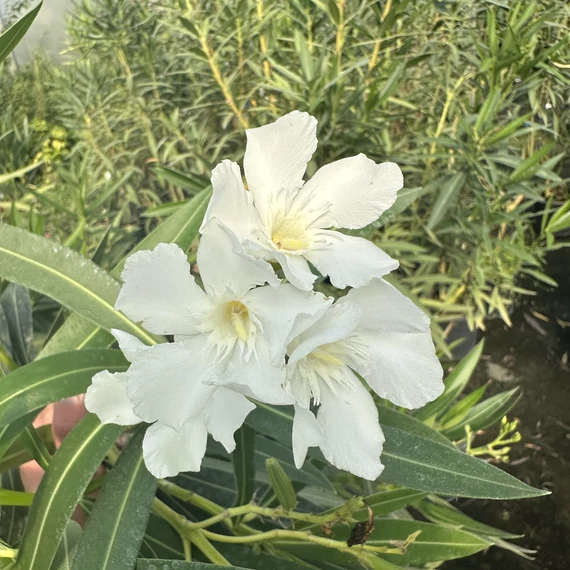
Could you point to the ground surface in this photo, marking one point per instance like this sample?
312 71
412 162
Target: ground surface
535 354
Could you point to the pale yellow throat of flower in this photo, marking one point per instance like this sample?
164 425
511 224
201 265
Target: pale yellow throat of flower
325 357
238 316
290 233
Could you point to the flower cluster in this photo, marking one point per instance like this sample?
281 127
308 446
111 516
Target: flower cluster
247 335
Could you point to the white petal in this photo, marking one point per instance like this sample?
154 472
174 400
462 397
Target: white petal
352 192
224 265
284 312
130 345
349 261
338 323
166 383
384 308
225 412
257 378
403 366
353 440
276 158
159 292
296 270
107 398
306 433
168 452
231 203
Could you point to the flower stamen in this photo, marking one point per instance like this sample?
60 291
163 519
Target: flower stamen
238 316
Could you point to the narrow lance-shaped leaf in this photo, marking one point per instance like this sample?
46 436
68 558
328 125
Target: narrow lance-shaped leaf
445 199
17 452
485 414
144 564
71 469
56 271
12 36
454 384
434 543
17 308
11 498
244 464
181 228
41 382
416 462
192 183
116 526
440 511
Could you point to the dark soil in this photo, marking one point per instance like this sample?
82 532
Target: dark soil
534 354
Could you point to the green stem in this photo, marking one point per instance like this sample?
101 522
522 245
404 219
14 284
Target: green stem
256 511
187 545
180 524
279 534
206 548
190 497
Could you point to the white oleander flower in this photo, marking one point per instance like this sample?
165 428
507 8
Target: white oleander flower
378 333
284 219
167 451
233 333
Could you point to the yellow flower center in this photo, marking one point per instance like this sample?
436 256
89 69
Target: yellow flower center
290 234
238 316
325 357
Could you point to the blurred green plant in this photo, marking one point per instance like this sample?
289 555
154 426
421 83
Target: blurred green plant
470 98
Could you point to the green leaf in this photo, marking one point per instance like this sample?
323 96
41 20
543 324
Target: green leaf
12 36
67 547
405 198
381 503
560 220
15 498
117 524
48 380
61 487
528 167
440 511
17 309
12 519
485 414
10 448
191 182
308 475
457 412
435 543
429 466
35 445
181 229
386 502
416 462
164 210
161 540
508 130
244 464
454 384
394 418
63 275
446 199
153 564
242 556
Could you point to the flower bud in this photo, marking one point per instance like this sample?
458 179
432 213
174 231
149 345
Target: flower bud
281 484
